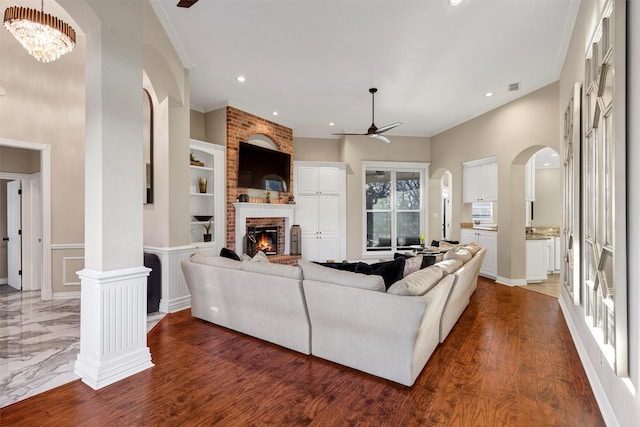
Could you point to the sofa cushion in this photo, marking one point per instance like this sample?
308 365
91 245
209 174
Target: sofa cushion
228 253
418 283
458 253
473 248
282 270
216 261
449 266
313 271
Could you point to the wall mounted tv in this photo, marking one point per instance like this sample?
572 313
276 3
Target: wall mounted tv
262 168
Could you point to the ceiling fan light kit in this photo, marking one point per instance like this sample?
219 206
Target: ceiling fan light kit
374 131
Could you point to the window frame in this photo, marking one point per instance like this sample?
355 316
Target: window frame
394 168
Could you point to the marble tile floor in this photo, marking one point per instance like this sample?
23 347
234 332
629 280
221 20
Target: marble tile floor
39 343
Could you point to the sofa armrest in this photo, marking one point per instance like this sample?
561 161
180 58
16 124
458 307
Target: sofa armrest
382 334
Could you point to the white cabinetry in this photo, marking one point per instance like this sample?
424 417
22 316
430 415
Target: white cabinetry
530 180
209 165
557 257
536 270
480 180
320 194
484 239
549 255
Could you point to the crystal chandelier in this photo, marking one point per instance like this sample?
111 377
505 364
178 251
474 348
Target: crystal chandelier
44 36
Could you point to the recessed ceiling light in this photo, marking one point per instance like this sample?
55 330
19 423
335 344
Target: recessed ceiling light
331 124
546 164
455 2
275 113
554 154
241 79
488 94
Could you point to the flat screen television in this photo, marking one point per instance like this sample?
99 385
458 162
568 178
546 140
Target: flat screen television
262 168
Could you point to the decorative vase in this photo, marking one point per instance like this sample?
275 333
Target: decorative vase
207 237
202 185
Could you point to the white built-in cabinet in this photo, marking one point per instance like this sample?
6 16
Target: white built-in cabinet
536 260
530 180
211 201
480 180
320 195
484 239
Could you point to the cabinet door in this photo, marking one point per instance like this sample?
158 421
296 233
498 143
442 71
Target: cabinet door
549 256
328 180
489 266
535 270
489 182
471 183
556 253
310 247
307 213
327 248
307 179
530 181
328 214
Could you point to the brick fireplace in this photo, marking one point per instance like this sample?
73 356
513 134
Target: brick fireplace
240 126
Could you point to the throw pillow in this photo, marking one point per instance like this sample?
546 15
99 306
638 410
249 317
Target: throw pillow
412 264
418 283
260 257
473 248
228 253
391 271
318 273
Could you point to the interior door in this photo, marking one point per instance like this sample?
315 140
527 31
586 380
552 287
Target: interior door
14 245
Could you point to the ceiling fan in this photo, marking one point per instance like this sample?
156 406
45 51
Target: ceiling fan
374 131
186 3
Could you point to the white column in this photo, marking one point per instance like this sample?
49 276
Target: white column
113 309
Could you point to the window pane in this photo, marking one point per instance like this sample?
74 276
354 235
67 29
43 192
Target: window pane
378 188
378 230
408 227
408 190
482 210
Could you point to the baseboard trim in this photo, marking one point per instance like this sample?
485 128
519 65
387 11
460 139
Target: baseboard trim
4 281
511 282
66 295
601 397
176 304
98 375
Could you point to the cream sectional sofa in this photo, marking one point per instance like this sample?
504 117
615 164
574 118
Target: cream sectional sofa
344 317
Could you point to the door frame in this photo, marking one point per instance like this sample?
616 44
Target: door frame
46 292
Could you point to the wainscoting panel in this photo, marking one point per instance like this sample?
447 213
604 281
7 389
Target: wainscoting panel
175 294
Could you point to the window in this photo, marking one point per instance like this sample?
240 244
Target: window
482 211
603 260
394 207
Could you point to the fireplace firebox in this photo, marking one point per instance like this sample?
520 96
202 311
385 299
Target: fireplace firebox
267 240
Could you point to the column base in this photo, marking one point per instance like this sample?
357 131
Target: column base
113 326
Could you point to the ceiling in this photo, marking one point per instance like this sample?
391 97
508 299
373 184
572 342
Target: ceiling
313 61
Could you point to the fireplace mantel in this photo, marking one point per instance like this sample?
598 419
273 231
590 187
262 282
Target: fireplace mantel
263 210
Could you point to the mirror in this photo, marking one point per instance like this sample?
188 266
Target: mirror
147 146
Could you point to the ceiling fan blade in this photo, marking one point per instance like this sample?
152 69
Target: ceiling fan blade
186 3
349 134
380 138
388 127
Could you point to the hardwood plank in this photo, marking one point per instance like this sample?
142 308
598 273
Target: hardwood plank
508 361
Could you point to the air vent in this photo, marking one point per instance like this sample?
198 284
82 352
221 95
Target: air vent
513 87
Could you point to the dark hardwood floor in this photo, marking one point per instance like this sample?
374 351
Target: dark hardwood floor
508 361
